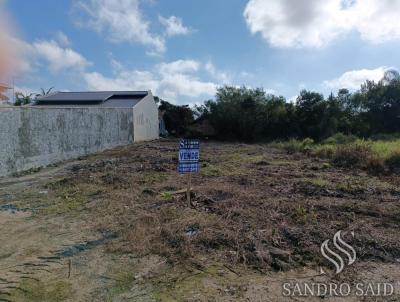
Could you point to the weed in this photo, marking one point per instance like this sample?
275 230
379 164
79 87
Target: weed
122 284
355 155
393 162
167 196
294 145
210 170
38 291
340 139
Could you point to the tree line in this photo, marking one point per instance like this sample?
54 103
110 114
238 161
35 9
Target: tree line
248 114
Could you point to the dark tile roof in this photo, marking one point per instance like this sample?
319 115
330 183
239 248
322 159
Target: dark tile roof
91 98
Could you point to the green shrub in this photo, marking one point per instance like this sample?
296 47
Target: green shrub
376 165
193 132
324 151
340 139
393 162
354 155
295 145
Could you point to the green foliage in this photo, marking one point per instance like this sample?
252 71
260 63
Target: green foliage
23 99
167 196
177 118
295 145
376 156
393 162
352 155
340 139
247 114
44 92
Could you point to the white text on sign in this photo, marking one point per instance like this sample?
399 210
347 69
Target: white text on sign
188 155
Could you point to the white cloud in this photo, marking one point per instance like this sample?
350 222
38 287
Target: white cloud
179 66
174 26
315 23
25 90
169 80
28 56
15 54
246 74
62 39
220 76
353 79
123 21
59 58
377 20
23 56
125 80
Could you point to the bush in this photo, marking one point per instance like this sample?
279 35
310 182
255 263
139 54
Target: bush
393 162
376 165
340 139
295 145
355 155
193 132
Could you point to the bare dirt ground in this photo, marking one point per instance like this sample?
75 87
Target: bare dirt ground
108 227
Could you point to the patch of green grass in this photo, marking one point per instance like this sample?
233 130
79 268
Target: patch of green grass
295 145
167 196
303 215
150 177
39 291
317 182
187 286
67 199
123 283
210 170
385 149
376 156
243 157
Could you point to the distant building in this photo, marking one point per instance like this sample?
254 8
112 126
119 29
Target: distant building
4 98
142 103
110 99
162 129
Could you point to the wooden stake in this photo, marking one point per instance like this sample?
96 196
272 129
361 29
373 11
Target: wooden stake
188 189
69 267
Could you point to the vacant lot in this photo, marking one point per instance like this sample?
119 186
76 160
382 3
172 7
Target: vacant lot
111 227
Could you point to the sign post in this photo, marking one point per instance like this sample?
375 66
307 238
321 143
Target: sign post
189 155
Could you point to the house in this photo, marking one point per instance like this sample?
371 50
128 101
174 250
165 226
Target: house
162 129
4 98
142 103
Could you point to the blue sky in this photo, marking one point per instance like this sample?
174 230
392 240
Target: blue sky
183 50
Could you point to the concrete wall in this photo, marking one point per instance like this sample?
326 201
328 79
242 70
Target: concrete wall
146 119
33 137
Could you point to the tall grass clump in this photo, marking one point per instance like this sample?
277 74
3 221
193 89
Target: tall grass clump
348 151
393 162
295 145
352 155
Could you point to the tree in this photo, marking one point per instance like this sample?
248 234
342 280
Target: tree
310 110
44 92
177 118
23 99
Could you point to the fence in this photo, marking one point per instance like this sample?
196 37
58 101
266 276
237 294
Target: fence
35 137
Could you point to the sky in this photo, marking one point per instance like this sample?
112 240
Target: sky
184 50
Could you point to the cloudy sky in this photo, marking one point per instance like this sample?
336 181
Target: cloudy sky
183 50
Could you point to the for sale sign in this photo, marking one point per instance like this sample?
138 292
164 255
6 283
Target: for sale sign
189 155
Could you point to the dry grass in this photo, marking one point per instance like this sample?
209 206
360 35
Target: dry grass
253 205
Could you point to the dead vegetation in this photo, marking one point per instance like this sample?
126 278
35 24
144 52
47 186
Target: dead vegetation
254 208
253 205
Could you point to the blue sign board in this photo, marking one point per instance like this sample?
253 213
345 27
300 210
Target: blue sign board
189 155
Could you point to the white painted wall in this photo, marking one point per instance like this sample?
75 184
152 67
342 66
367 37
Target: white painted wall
33 137
145 116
